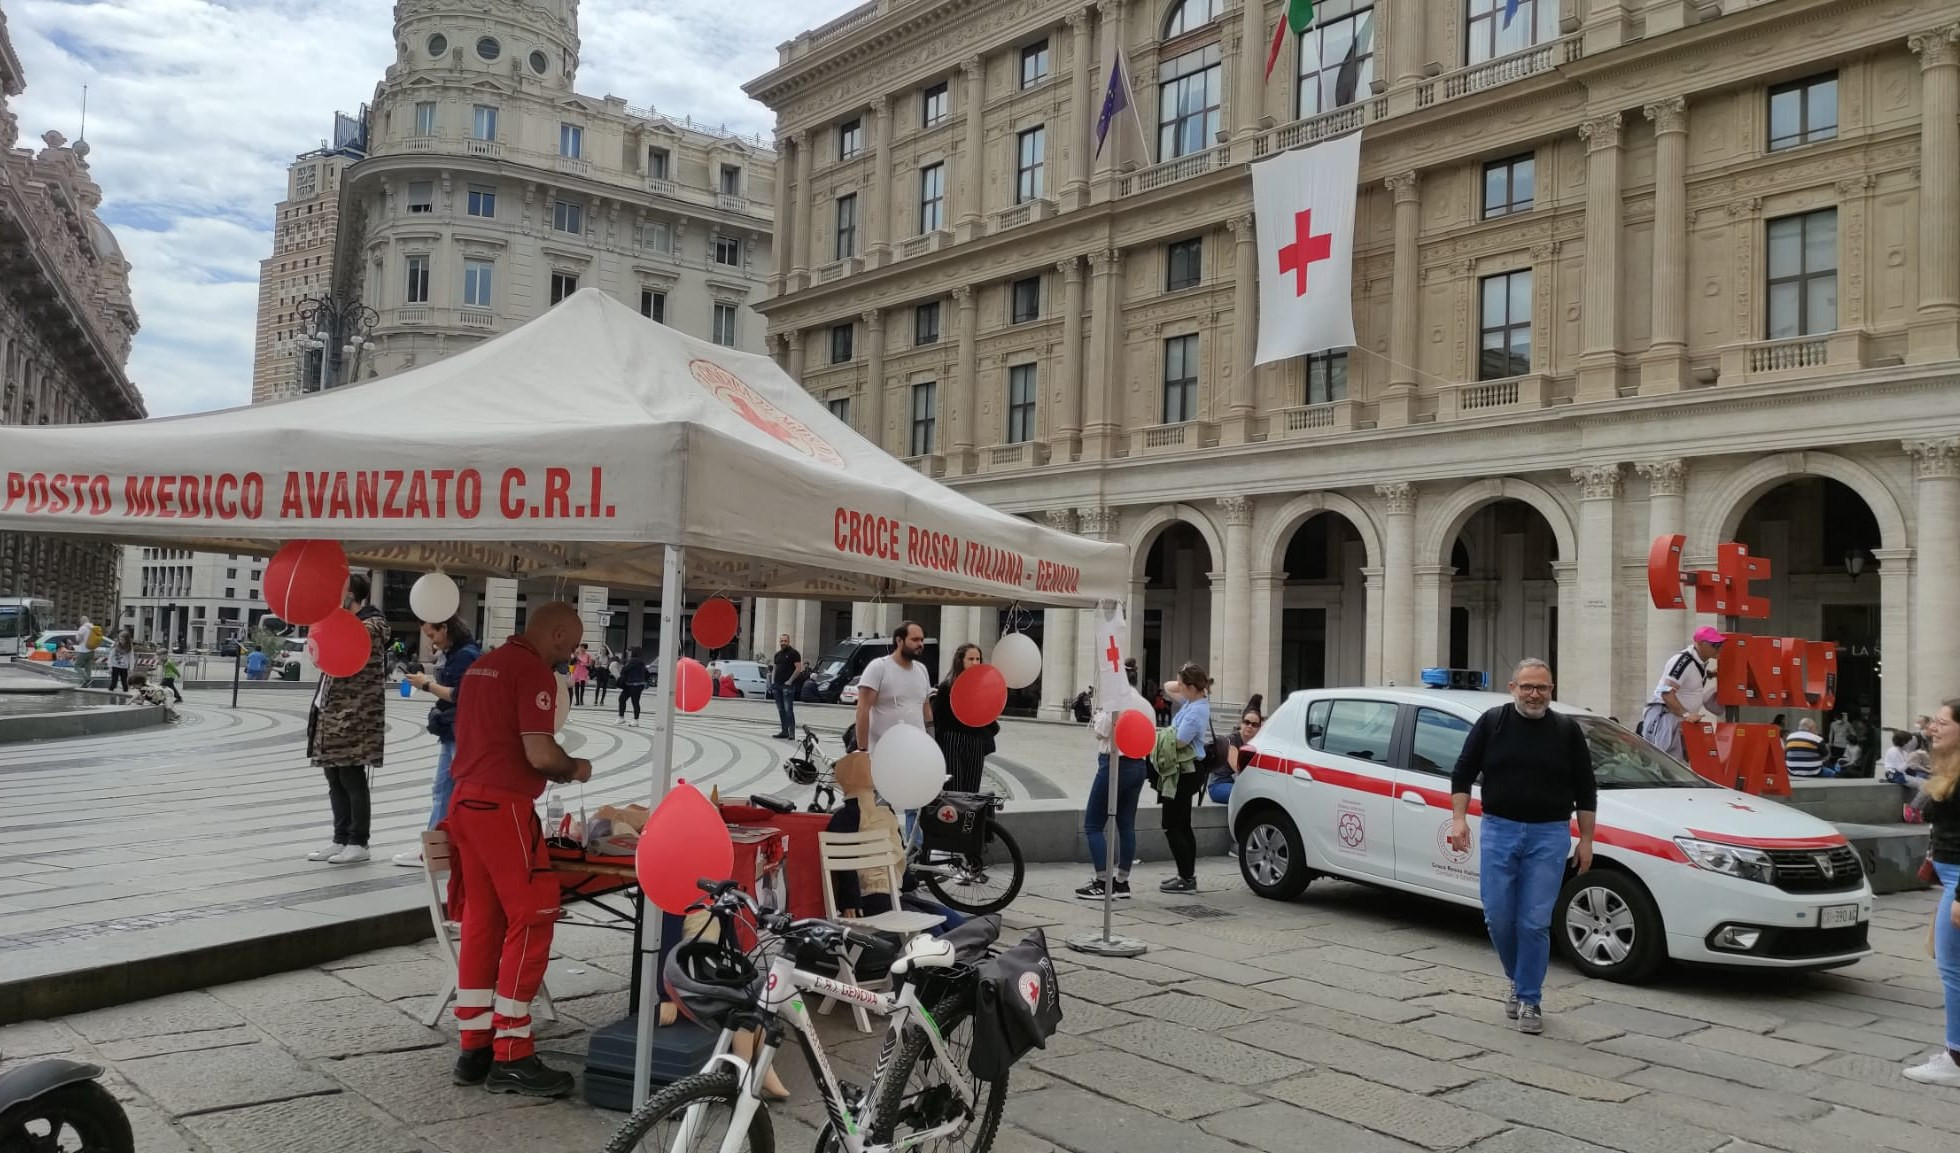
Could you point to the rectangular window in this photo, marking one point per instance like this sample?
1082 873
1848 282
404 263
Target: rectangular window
725 325
657 163
563 284
847 226
1184 264
1024 301
1034 64
840 407
571 141
850 139
1438 741
1326 377
925 417
932 198
731 180
1803 112
1336 58
568 216
1359 729
418 280
1489 35
425 118
1504 324
1031 152
728 251
1181 379
479 278
840 343
1509 186
1190 94
655 235
307 182
1020 403
925 324
933 105
653 305
421 197
483 122
231 574
483 202
1803 274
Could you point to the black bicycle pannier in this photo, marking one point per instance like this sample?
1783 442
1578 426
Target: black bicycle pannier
1018 1007
956 823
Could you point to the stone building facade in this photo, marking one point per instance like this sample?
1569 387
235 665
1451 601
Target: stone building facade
305 227
66 323
1622 268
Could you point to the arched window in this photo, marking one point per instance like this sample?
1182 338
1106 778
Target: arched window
1190 15
1337 56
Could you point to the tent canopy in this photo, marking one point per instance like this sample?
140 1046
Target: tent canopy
573 447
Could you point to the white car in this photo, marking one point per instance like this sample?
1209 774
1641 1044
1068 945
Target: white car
750 679
1355 783
849 695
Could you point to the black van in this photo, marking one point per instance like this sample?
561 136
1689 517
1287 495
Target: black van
847 661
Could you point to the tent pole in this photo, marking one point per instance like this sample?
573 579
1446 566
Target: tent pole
672 574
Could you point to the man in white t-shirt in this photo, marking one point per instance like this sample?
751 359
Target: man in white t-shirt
1678 697
895 689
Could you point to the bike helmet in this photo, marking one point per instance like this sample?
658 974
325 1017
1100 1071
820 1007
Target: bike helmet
801 771
710 982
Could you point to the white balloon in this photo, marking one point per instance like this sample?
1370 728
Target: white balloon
1019 660
908 767
434 597
563 712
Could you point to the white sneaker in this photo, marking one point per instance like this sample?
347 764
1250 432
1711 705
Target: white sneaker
349 855
328 853
1941 1070
409 860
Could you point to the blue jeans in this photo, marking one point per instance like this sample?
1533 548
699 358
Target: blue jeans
439 795
1220 792
1095 814
785 707
1523 866
1946 945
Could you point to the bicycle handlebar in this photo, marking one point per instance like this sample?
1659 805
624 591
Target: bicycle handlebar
728 898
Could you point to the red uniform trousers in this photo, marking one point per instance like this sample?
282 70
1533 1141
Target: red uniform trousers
501 881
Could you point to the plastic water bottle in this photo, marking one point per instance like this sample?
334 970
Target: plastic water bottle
554 813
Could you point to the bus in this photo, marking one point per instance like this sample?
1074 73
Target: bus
21 620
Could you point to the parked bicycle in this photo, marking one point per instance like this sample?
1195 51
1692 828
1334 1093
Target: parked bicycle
957 848
921 1091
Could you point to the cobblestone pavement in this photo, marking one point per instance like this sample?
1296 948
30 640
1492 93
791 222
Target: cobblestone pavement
139 844
1351 1021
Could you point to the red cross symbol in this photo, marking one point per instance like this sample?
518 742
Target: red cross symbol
1115 656
1305 250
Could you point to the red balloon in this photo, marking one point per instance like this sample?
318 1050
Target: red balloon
716 622
684 842
306 580
979 695
692 687
340 644
1135 735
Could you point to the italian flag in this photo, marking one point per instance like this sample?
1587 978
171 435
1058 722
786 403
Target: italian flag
1299 17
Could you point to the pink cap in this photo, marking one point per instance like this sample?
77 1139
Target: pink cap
1709 634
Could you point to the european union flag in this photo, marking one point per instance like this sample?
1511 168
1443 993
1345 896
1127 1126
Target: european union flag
1510 10
1114 101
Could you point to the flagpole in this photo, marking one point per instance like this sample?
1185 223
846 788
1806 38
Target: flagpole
1136 113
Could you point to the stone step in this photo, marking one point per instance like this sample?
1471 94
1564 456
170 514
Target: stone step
1861 802
1891 853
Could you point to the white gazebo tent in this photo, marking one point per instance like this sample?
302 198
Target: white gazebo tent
715 473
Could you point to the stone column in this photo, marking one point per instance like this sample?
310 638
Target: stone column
973 165
1254 39
1591 683
1102 419
1667 487
1066 440
1059 679
785 189
871 422
779 346
1371 583
1432 624
1106 163
1238 425
1233 626
1398 607
1405 41
1935 333
766 631
1398 404
955 629
1268 628
1936 545
794 338
879 211
1898 689
800 237
959 460
1082 121
1664 367
1599 362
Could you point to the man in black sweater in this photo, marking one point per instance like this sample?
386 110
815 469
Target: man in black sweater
1536 772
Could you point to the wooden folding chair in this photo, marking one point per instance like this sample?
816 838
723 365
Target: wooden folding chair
437 860
863 852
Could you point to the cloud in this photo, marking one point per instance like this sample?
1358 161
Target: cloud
196 108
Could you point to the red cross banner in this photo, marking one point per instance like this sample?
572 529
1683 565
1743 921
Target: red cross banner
1113 690
1303 209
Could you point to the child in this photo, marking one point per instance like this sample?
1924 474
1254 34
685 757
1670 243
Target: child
170 675
142 692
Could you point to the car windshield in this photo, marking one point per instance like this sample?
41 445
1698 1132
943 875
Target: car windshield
1624 761
830 665
13 621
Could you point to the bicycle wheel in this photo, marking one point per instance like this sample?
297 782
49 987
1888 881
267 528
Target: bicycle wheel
983 882
656 1126
915 1095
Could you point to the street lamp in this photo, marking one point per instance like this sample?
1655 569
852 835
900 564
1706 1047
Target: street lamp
334 335
1854 562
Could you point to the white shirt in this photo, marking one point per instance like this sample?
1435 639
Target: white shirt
1685 676
902 694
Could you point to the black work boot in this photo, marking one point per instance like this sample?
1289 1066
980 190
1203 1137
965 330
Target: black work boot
473 1065
530 1077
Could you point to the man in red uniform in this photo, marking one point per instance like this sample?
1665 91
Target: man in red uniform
505 756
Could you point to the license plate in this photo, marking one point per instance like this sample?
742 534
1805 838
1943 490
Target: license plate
1837 916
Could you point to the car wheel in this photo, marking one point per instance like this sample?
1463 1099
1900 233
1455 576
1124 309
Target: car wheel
1609 927
1272 857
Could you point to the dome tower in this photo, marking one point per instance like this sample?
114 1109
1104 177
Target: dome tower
533 41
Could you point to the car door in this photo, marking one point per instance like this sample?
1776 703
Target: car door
1351 775
1422 805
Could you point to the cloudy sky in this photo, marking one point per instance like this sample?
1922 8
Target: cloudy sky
196 107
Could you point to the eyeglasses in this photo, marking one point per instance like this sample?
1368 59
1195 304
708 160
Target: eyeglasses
1533 688
1251 724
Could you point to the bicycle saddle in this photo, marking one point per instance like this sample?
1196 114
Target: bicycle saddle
925 953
